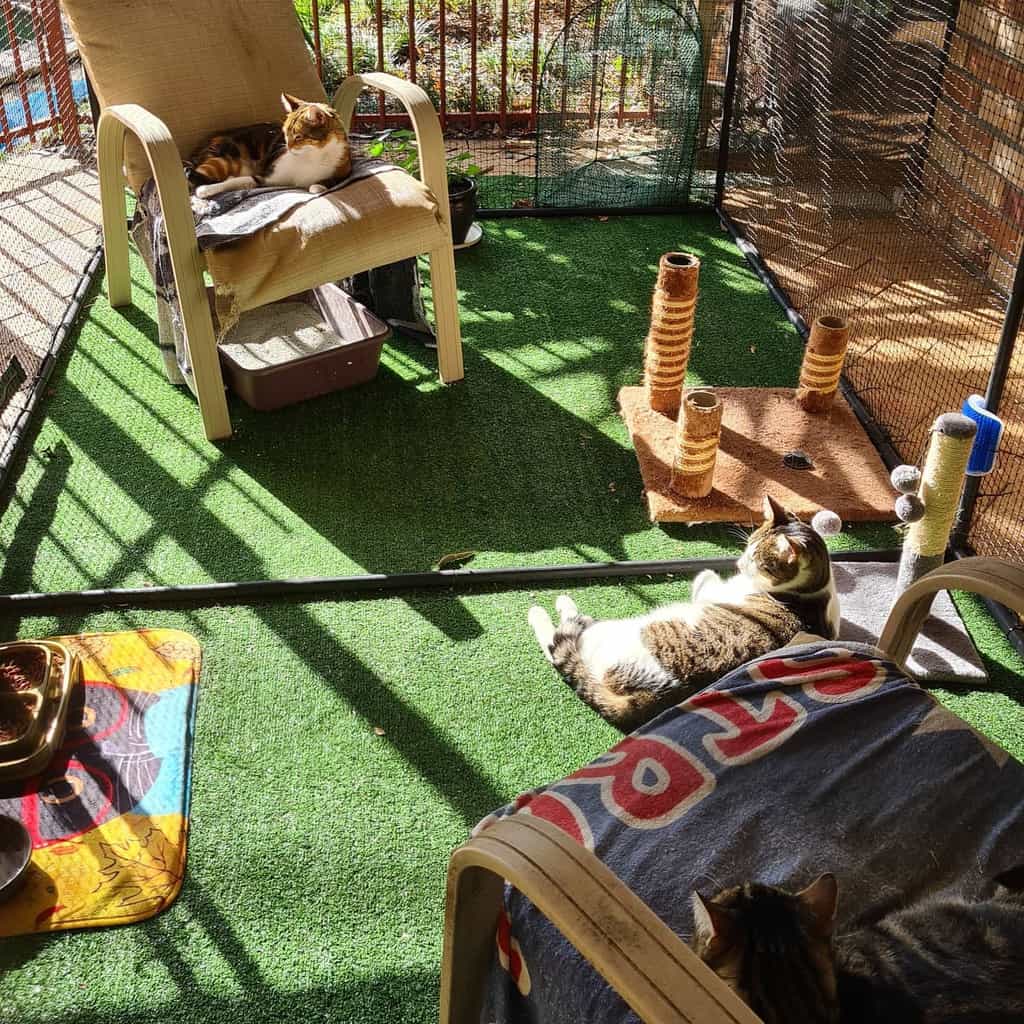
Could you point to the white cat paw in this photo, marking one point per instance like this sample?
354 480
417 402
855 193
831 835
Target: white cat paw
566 608
543 628
317 189
538 618
205 191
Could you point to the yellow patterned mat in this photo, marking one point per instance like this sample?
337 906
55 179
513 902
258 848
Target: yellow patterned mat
109 816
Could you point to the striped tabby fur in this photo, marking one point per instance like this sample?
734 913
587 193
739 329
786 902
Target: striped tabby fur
943 960
629 670
309 149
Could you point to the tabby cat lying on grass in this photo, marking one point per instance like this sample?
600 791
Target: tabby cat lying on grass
629 670
943 960
308 150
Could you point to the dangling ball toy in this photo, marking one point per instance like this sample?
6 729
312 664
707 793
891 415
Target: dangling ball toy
826 523
909 508
906 480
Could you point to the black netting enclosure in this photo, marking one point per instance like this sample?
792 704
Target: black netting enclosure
873 168
619 108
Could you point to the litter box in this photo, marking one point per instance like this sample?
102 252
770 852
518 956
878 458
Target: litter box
302 347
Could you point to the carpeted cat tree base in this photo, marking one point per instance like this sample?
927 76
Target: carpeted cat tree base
943 652
759 426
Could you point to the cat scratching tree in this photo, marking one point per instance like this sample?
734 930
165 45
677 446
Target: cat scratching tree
708 456
697 435
938 494
822 364
670 337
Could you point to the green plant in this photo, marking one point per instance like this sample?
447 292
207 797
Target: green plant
399 147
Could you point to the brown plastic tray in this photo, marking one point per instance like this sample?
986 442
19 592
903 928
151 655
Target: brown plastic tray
283 379
64 671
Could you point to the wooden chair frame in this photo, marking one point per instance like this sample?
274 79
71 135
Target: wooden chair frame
188 263
637 954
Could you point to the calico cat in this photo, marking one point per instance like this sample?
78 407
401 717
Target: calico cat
629 670
311 147
943 960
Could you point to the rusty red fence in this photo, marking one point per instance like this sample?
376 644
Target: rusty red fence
502 110
39 74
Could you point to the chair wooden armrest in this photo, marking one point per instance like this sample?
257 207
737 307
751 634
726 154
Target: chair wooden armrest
165 163
653 970
993 578
425 123
434 175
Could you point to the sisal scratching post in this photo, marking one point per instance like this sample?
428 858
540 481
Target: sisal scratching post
667 349
823 363
697 436
942 479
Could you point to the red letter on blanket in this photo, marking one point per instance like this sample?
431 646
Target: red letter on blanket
647 781
831 678
749 733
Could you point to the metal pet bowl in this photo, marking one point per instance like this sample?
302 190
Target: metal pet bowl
15 854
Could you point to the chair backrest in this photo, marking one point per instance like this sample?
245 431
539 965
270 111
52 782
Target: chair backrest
201 66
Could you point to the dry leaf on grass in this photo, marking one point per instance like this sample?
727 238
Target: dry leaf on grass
454 558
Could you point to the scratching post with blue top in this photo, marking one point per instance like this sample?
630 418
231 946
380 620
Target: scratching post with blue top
938 493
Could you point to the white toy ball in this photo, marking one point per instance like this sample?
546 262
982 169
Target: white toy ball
826 523
906 479
909 508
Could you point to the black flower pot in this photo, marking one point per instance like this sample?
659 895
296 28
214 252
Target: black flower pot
464 202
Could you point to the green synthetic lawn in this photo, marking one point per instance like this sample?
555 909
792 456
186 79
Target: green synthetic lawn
316 868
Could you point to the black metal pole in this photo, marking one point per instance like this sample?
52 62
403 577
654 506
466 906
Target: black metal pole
993 397
333 588
94 103
728 99
920 151
591 211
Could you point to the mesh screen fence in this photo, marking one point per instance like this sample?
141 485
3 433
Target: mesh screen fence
877 163
536 90
49 196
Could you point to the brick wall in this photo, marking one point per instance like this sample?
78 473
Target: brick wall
973 175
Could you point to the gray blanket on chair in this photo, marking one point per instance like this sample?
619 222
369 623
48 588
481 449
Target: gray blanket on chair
392 292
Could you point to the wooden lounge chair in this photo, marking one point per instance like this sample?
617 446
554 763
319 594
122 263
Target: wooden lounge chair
170 74
636 953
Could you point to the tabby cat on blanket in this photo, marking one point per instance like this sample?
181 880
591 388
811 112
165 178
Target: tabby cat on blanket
629 670
942 960
308 149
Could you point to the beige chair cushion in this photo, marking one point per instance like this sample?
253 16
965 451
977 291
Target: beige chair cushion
369 223
201 66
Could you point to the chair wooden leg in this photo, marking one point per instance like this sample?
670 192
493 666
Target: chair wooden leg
202 350
446 314
471 920
110 154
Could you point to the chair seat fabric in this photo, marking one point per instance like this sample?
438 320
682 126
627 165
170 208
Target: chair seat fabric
816 758
297 251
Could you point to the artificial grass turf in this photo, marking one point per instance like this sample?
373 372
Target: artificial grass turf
318 848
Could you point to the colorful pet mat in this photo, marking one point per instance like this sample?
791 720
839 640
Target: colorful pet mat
109 816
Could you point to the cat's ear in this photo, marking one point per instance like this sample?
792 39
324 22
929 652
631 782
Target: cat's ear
290 103
714 926
821 898
774 513
789 550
